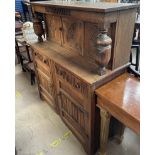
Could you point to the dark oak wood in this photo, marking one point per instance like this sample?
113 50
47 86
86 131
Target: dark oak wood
69 75
87 6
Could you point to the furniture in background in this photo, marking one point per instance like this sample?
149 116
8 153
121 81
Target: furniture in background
25 58
135 45
23 49
119 98
85 48
27 10
18 32
18 7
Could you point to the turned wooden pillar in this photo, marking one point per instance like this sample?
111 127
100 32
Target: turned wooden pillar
104 132
38 28
103 53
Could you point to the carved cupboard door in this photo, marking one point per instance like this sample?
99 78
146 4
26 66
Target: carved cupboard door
45 78
73 34
45 83
73 103
54 25
74 116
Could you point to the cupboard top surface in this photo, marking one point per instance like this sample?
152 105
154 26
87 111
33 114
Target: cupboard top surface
70 60
88 6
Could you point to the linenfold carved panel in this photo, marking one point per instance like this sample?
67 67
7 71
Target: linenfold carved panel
76 83
73 111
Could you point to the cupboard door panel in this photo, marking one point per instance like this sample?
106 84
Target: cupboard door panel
54 25
73 34
73 113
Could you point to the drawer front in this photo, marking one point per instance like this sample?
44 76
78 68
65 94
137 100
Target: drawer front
45 61
45 83
74 115
40 66
75 83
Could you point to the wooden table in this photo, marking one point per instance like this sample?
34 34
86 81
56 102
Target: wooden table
119 98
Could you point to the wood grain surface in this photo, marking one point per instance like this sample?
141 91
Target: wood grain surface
120 97
88 6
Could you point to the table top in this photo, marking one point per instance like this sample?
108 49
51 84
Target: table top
121 97
88 6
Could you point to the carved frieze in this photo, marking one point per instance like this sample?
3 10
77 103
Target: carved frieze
58 11
76 83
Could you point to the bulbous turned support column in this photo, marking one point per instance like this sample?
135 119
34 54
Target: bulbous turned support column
103 55
38 28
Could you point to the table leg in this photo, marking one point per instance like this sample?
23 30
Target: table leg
105 121
116 130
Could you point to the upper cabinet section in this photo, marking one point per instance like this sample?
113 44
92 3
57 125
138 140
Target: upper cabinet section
67 32
99 32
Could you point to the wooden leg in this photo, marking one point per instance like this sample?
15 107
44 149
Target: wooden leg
116 130
105 120
137 58
17 50
32 77
15 151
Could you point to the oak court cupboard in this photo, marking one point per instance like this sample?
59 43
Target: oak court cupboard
87 45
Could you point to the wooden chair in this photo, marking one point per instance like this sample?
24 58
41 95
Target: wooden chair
18 32
25 59
24 54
